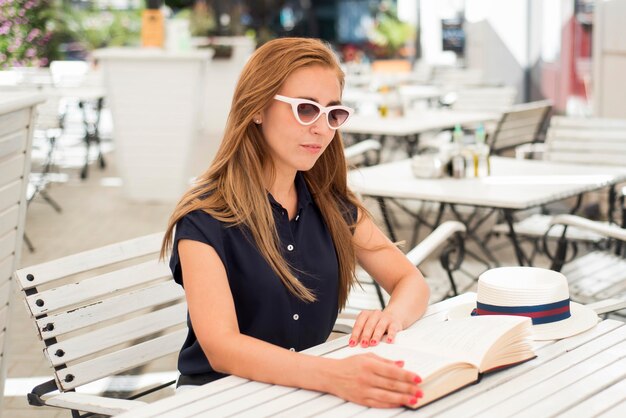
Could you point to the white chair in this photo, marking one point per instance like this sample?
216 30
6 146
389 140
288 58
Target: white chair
489 99
594 141
449 235
598 275
519 124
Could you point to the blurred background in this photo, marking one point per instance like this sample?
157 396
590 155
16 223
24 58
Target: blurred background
113 107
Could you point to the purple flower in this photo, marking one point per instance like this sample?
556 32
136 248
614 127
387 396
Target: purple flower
33 34
30 52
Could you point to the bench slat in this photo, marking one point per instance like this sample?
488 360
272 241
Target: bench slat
88 260
96 287
126 331
12 169
113 307
9 218
120 361
92 403
7 244
10 194
600 402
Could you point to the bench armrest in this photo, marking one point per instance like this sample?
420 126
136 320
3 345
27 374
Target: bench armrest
359 150
610 231
434 240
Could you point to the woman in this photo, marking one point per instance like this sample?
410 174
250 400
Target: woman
267 240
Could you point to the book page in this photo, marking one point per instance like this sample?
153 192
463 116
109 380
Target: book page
423 363
468 339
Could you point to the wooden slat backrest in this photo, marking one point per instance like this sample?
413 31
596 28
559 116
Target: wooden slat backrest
63 267
52 326
106 310
521 124
120 332
586 141
486 98
97 287
119 361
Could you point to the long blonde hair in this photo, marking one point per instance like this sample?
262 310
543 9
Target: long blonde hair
232 189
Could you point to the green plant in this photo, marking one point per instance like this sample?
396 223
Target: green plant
25 36
390 34
94 28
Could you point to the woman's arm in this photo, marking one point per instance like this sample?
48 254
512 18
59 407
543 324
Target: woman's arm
365 379
395 273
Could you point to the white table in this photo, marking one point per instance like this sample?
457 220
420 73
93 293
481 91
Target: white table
513 185
414 123
580 376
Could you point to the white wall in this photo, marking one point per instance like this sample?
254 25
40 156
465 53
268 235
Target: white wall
609 59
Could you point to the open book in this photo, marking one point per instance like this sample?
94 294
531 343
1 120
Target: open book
452 354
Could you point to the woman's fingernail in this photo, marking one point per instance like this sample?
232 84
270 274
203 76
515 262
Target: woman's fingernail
389 339
373 342
417 379
364 343
352 343
419 394
399 363
412 401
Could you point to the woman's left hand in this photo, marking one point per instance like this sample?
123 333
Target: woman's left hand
371 326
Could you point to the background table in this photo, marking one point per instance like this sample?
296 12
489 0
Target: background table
513 185
579 376
414 123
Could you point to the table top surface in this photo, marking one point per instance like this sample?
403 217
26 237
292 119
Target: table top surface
513 183
584 375
415 122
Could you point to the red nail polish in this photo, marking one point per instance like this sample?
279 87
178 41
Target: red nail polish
373 342
399 363
412 401
352 343
389 339
364 343
419 394
417 379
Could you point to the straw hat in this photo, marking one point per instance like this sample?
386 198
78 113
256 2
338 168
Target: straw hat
538 293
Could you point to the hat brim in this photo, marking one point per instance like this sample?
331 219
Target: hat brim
582 318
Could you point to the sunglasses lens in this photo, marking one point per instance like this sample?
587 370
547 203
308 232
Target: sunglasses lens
307 112
337 117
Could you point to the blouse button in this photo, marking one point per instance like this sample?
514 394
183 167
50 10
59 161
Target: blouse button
296 317
290 247
292 349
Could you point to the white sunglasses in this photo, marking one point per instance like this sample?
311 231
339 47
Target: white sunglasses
307 111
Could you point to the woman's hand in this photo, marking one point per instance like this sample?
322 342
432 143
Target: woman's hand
371 326
373 381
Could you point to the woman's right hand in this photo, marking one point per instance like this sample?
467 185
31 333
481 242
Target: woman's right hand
373 381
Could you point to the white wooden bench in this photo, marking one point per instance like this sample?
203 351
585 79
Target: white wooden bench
594 141
116 308
17 116
99 313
